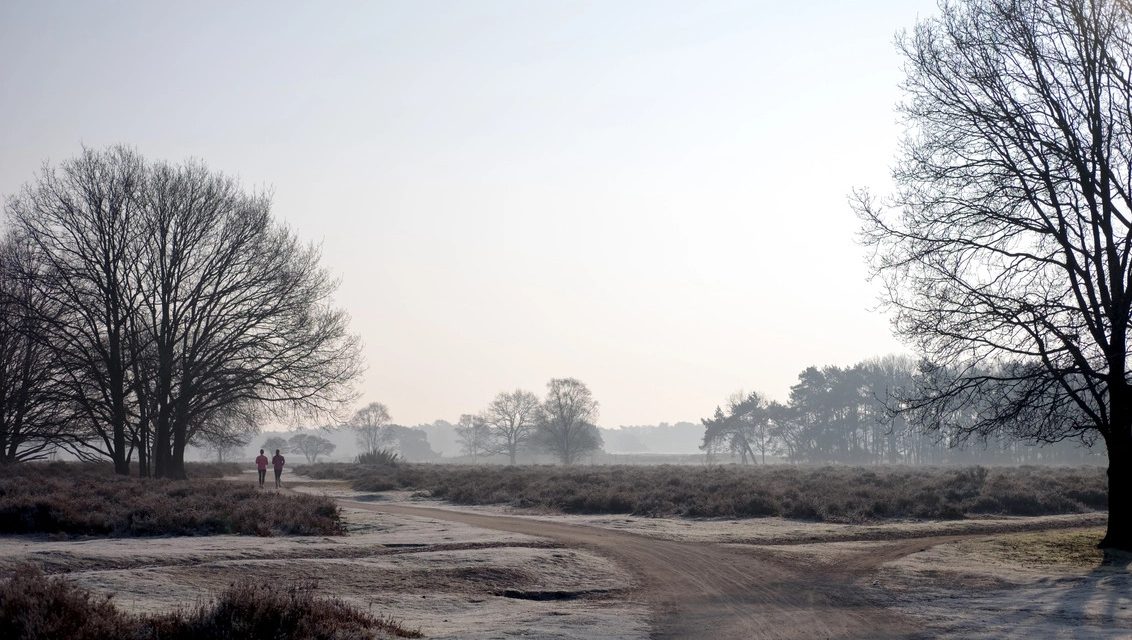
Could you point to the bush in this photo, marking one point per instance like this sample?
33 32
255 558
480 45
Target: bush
79 499
36 606
382 457
833 494
33 606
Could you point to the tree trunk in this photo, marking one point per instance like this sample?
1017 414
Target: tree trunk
161 446
175 465
143 458
175 469
1119 533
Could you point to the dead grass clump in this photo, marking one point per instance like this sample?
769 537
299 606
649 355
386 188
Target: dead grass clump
270 612
75 499
832 494
34 606
1043 548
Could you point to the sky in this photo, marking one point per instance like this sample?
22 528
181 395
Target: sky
651 197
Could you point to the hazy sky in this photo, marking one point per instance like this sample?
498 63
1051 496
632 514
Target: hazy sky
648 196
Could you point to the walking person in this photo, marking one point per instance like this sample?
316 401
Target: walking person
261 466
278 462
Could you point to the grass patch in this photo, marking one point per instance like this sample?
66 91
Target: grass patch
1076 548
829 494
34 606
90 500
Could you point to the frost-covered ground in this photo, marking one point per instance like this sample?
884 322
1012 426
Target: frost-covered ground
956 579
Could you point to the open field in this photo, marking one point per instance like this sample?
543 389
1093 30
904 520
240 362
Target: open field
493 571
826 494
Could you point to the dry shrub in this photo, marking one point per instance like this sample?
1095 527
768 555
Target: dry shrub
34 606
270 612
77 499
831 493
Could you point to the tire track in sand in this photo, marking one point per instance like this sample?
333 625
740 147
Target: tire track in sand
705 590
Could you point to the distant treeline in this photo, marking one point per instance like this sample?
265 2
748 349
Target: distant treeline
833 414
844 414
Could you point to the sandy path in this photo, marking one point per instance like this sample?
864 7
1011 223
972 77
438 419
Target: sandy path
714 591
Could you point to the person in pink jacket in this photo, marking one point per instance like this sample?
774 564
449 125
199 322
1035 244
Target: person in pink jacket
278 462
261 465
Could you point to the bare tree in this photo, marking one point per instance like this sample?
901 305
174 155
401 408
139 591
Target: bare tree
82 221
224 443
34 415
511 419
1007 248
275 442
475 436
228 429
371 424
179 297
238 308
567 428
311 446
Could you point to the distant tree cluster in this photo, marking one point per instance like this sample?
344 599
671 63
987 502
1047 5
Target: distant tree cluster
845 415
311 446
378 438
562 425
149 306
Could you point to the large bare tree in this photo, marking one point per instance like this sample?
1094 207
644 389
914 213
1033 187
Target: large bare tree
82 221
1007 247
475 436
35 416
512 418
567 428
238 308
182 299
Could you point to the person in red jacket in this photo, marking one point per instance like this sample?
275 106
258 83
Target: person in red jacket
278 462
261 466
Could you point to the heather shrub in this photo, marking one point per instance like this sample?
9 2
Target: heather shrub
34 606
385 457
273 612
78 499
834 494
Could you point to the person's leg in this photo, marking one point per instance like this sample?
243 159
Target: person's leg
262 476
278 473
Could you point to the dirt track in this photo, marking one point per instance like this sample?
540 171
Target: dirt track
715 591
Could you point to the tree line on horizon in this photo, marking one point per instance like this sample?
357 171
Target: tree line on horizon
851 415
834 414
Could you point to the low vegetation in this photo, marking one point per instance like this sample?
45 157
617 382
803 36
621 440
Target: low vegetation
1076 547
90 500
832 494
33 605
379 457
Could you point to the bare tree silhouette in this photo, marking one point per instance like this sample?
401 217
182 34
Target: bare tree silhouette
179 300
1007 249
